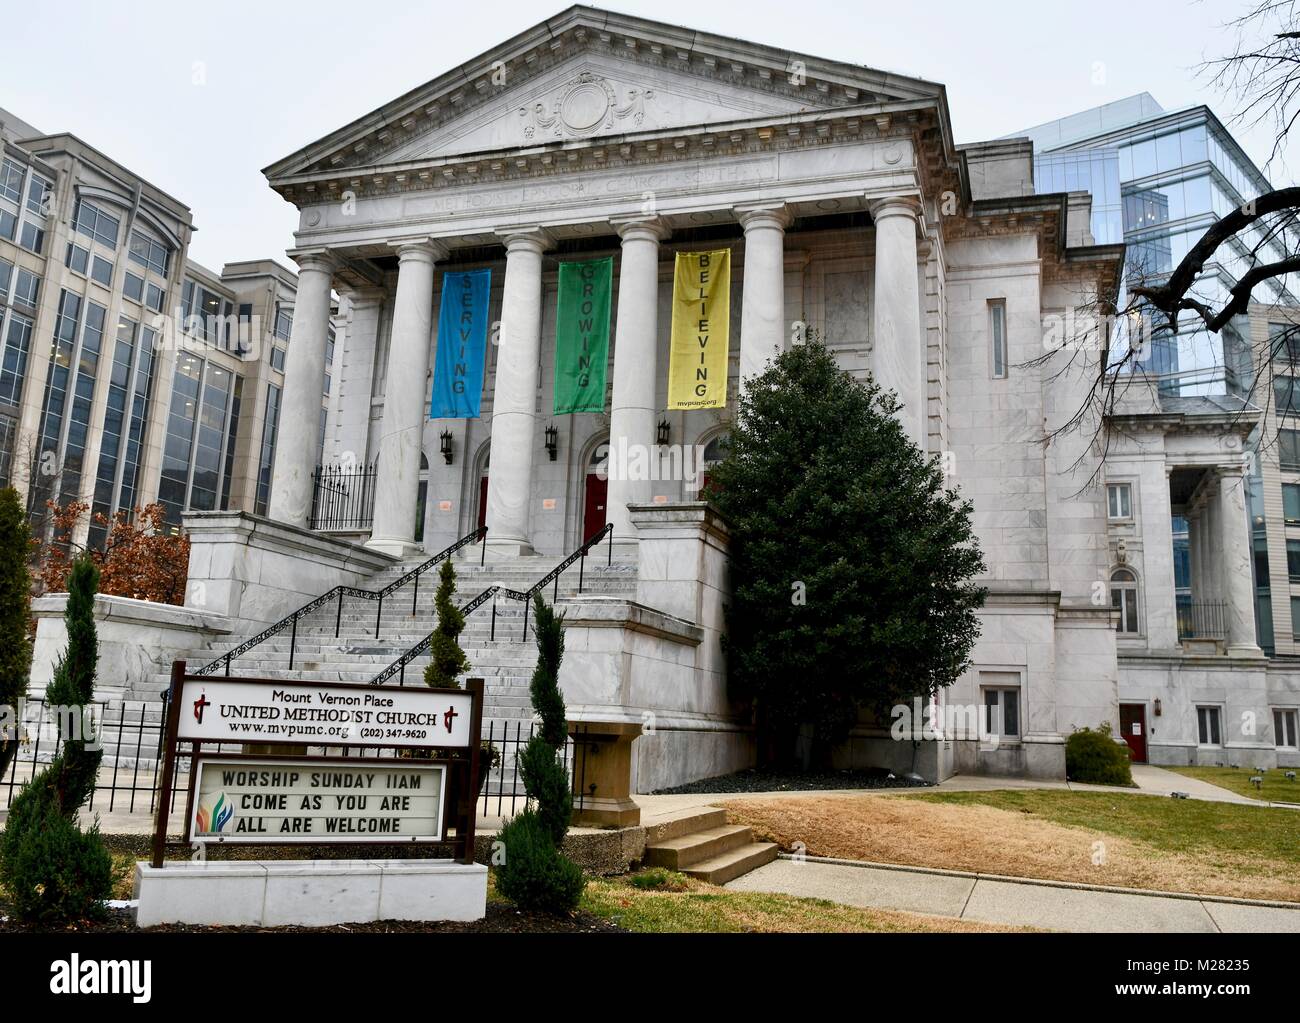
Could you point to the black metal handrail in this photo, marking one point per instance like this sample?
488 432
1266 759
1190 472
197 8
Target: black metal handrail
554 574
291 621
398 667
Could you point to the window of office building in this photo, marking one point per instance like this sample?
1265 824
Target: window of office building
266 458
207 314
127 411
1291 503
1284 341
69 391
149 253
96 223
1288 448
12 176
283 328
39 205
198 432
13 363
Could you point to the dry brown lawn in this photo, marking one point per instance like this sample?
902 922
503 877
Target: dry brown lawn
1016 842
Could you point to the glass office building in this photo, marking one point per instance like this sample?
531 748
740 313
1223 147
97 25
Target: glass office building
1158 180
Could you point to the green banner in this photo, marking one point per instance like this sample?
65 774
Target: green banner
582 335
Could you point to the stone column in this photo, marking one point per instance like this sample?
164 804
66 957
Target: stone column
762 309
356 383
406 396
897 355
298 438
636 342
514 396
1234 561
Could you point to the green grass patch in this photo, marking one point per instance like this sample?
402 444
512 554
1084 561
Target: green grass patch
698 908
1173 825
1276 787
659 877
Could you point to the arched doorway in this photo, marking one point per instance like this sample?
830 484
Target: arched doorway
596 491
422 498
714 451
483 491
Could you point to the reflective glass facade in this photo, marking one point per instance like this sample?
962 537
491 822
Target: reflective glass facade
1158 182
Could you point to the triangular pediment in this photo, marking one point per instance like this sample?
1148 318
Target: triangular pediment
589 74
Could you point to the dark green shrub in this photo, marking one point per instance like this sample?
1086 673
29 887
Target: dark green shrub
534 877
447 659
1093 756
533 874
547 784
51 868
15 616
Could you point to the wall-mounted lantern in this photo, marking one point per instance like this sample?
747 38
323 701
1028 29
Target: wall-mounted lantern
446 446
1157 706
552 440
663 433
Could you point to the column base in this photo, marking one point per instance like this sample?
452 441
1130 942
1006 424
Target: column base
1245 650
603 813
394 547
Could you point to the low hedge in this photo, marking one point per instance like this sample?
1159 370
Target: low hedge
1093 756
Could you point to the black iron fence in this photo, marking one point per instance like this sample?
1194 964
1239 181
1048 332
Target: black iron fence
131 736
1202 619
342 499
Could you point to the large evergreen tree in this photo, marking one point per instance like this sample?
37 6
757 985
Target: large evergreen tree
15 618
851 560
447 659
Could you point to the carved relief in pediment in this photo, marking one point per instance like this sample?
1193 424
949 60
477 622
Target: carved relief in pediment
582 108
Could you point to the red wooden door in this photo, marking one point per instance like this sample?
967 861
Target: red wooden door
482 502
593 515
1133 726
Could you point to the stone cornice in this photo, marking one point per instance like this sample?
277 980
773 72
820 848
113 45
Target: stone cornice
655 147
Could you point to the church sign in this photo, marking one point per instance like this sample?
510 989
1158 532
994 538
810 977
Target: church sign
347 764
232 710
318 800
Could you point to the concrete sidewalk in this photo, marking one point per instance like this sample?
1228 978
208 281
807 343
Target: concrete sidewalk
1016 902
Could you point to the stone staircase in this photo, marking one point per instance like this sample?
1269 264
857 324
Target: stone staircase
703 845
505 661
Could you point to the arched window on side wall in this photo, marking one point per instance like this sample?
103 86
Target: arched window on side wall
1124 599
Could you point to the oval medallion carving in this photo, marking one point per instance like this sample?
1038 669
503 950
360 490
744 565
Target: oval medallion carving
584 107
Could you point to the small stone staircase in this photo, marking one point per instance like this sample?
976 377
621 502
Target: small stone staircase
701 844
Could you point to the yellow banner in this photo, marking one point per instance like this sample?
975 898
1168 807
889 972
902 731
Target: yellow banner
697 364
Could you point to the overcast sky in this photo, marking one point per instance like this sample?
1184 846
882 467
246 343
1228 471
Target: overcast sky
277 75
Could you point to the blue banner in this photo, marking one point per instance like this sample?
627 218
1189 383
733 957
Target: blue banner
462 345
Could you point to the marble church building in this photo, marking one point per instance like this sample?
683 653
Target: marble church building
850 211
